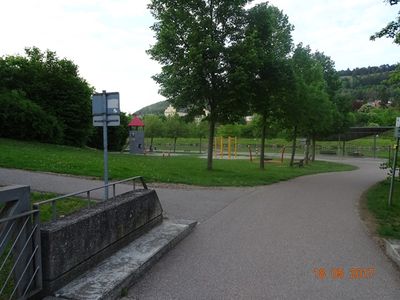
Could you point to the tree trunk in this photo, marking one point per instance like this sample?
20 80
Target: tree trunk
175 138
307 152
262 152
344 148
200 146
293 146
151 142
210 144
313 149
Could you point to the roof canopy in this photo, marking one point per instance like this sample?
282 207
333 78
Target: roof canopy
358 132
136 122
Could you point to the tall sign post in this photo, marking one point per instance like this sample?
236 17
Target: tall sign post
105 145
397 136
105 111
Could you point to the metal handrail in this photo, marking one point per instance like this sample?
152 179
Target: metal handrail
18 216
20 246
87 192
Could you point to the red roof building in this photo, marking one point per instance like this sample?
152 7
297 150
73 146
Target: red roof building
136 122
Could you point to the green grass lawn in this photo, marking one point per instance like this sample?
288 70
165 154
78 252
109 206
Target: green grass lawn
388 218
3 277
64 207
184 169
363 145
383 140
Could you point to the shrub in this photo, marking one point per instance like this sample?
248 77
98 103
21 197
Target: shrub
117 135
22 119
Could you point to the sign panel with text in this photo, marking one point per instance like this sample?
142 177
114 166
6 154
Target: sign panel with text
105 108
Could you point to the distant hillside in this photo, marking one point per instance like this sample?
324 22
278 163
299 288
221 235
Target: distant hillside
367 71
153 109
370 84
360 84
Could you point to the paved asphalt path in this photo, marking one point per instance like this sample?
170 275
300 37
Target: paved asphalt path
264 242
180 202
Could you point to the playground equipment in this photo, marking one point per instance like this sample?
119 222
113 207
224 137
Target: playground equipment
269 160
230 145
231 141
250 153
136 136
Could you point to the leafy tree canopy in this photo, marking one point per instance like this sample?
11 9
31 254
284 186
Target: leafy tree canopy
392 30
23 119
55 85
269 34
271 42
154 127
312 109
197 41
193 42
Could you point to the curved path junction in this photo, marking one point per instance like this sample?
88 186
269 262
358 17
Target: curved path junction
299 239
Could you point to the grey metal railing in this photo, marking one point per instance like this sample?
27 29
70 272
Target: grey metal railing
20 252
53 201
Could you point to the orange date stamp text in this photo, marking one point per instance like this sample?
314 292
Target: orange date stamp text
340 273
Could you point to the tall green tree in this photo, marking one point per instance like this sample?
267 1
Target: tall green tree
23 119
154 127
335 110
56 86
391 30
199 130
319 120
309 99
270 32
195 43
175 127
331 76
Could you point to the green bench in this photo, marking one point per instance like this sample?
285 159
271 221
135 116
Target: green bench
299 163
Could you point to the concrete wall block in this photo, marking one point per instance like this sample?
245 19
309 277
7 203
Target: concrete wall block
71 241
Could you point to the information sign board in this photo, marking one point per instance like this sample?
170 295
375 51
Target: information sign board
105 106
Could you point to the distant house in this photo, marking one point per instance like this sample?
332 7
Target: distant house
171 111
375 103
248 119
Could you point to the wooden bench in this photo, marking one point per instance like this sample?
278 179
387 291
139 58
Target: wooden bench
355 153
328 152
299 163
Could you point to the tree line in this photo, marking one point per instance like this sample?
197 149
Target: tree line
232 61
367 70
219 56
44 98
371 86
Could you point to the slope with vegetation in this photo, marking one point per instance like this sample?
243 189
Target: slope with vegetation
44 98
370 85
153 109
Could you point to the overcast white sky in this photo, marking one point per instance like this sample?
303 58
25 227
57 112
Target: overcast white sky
108 38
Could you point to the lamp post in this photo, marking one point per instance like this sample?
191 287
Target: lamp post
375 137
396 151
